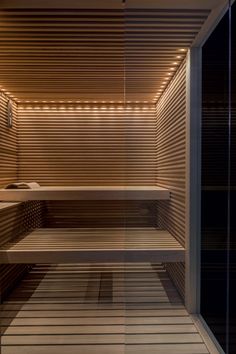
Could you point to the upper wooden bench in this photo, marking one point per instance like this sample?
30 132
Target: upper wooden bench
86 193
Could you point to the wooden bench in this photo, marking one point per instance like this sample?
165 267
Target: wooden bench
71 245
86 193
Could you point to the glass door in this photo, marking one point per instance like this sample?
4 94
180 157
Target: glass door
218 200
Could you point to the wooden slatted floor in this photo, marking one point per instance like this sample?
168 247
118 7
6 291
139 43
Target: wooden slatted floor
97 308
97 244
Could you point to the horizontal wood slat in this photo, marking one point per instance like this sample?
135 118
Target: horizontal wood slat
79 145
171 164
93 245
98 308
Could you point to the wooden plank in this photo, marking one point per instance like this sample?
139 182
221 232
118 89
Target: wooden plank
104 244
91 338
7 205
108 349
87 193
62 349
99 329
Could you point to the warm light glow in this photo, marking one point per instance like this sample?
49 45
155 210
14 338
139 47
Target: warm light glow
175 63
178 57
182 50
66 102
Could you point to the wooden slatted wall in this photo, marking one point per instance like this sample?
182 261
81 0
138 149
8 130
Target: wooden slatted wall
8 173
16 219
74 144
116 213
8 143
171 164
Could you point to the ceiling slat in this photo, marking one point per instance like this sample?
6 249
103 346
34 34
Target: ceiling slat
93 53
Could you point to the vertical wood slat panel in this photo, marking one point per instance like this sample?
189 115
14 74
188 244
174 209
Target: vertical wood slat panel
171 164
75 144
8 143
15 220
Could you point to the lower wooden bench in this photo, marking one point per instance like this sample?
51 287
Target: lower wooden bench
71 245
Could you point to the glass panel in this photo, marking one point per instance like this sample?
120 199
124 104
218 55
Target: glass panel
215 143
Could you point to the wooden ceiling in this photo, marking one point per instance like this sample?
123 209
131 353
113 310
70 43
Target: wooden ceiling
95 51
